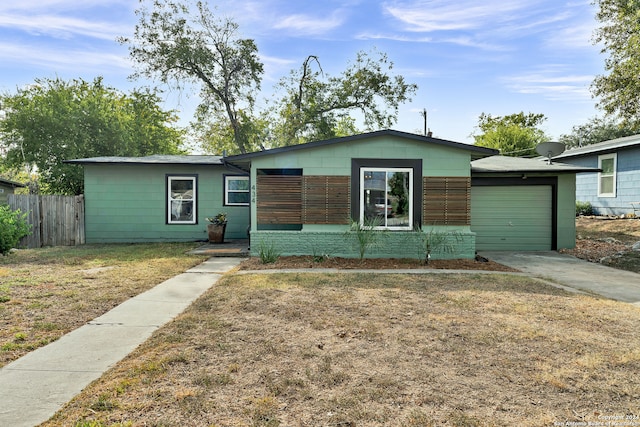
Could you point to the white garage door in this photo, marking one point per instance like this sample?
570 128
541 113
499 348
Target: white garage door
512 217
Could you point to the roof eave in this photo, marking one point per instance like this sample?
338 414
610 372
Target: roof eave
537 171
477 152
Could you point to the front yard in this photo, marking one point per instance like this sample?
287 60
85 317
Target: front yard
346 349
376 350
46 293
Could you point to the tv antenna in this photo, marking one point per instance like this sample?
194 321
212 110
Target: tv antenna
550 150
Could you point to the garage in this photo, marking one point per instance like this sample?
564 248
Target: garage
513 217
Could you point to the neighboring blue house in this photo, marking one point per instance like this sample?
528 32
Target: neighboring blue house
616 189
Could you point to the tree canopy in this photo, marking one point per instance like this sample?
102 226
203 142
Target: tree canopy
514 135
53 120
596 130
317 107
619 33
183 42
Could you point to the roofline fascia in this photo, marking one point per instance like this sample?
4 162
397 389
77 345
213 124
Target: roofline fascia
486 152
549 172
13 184
81 162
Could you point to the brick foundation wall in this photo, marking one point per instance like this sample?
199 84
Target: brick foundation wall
344 245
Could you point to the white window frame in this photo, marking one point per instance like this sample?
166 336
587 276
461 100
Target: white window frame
170 199
228 178
612 175
409 226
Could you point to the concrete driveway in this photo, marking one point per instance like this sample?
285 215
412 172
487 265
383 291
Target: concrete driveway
573 272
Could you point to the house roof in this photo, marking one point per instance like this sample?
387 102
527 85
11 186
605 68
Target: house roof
602 147
10 183
476 152
506 164
157 159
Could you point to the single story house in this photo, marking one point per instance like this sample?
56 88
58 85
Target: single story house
616 189
7 187
304 199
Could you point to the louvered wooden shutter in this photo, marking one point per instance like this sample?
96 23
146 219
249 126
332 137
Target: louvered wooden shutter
279 199
326 199
446 200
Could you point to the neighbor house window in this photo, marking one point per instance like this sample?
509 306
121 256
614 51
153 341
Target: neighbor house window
607 178
236 190
181 199
386 197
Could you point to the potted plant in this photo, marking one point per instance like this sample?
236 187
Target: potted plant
216 227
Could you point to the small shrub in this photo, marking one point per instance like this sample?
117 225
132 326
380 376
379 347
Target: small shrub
318 256
366 234
584 209
268 253
441 242
13 227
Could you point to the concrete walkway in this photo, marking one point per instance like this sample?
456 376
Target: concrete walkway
565 269
35 386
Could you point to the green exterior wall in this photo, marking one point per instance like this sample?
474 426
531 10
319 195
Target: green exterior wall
566 211
127 203
565 207
335 160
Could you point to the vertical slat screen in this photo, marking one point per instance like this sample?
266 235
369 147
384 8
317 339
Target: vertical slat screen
326 200
279 199
446 200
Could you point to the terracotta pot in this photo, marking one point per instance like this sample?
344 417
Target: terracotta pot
216 232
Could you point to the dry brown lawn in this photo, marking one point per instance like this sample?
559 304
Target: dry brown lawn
46 293
357 349
348 349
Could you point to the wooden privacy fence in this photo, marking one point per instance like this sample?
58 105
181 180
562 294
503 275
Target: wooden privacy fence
55 220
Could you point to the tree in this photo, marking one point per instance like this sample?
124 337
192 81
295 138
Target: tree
316 106
597 130
53 120
619 90
514 135
184 42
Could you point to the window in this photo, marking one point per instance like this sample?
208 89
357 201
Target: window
386 197
236 190
181 199
607 178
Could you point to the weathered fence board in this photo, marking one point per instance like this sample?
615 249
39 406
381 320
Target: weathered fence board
55 220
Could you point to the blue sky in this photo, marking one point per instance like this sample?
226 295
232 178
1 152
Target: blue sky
467 57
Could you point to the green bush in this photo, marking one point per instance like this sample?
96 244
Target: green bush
366 235
268 253
584 208
13 227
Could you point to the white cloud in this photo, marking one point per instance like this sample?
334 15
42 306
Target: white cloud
573 37
444 15
392 37
29 6
552 84
309 25
63 27
60 59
